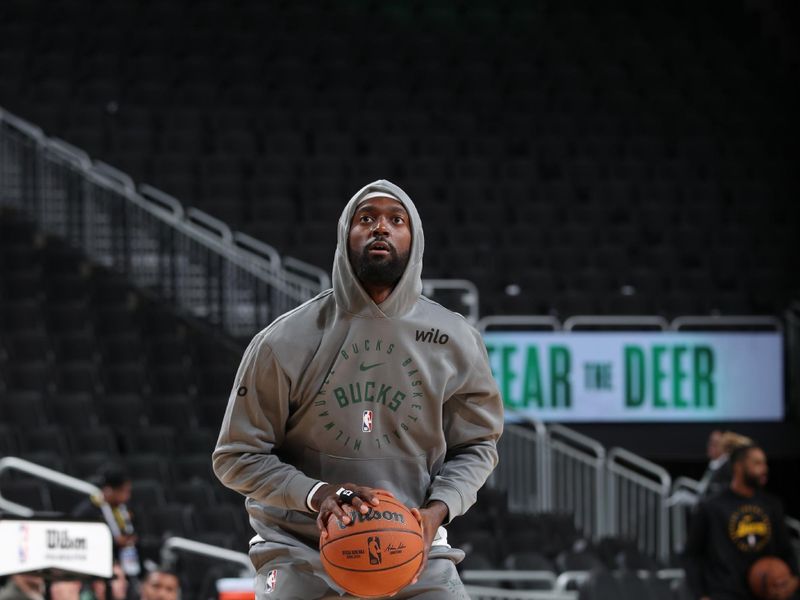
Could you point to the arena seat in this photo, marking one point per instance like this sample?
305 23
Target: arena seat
581 131
30 493
601 585
528 561
596 134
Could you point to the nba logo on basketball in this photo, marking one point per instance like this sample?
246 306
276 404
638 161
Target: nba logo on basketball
366 421
374 550
272 581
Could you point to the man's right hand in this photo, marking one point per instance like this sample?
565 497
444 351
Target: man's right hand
327 501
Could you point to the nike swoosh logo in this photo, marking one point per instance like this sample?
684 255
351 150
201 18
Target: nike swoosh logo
368 367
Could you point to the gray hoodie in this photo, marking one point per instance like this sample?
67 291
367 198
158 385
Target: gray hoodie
396 396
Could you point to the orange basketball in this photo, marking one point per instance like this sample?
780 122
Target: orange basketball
764 572
376 554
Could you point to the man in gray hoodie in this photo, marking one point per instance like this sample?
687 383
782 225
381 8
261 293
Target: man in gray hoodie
368 386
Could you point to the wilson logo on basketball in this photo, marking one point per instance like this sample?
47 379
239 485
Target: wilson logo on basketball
372 515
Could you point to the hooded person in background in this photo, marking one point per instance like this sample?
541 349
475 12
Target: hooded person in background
369 385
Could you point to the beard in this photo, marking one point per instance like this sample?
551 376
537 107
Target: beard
753 481
380 271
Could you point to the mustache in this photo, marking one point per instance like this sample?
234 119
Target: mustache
381 240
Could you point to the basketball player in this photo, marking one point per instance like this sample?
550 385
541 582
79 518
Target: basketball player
733 529
369 385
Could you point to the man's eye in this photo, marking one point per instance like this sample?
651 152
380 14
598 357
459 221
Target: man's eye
399 220
366 219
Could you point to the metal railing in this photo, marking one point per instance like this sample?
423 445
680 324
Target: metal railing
546 468
476 592
9 463
615 322
683 497
637 493
517 322
174 545
630 322
726 323
576 465
545 579
460 295
488 593
184 255
523 469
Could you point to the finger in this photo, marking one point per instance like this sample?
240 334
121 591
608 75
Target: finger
322 521
360 505
340 513
382 492
417 515
368 494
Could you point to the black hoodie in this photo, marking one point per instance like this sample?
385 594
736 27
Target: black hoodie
728 534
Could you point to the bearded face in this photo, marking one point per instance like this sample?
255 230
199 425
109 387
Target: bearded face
379 263
754 470
380 242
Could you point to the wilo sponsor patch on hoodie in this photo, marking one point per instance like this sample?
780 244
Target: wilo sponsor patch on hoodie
432 336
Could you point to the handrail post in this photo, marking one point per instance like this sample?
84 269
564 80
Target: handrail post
8 463
174 544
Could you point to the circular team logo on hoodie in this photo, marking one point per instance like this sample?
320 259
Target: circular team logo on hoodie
749 528
378 400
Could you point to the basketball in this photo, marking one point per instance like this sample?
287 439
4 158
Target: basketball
764 572
376 554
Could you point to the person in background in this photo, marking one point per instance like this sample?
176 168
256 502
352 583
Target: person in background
111 508
23 587
718 475
732 530
160 584
101 589
65 590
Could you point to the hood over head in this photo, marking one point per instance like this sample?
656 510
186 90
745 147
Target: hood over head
350 295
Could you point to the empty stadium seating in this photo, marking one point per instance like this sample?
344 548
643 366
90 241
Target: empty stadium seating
95 382
616 159
634 158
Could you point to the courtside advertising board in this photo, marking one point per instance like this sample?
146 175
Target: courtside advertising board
641 376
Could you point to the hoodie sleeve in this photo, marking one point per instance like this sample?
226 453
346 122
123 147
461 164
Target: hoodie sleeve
472 421
253 427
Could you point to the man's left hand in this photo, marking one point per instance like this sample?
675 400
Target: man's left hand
430 519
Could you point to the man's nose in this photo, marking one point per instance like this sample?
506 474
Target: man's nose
381 226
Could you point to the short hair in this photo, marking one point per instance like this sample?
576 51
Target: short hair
114 476
162 571
740 452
